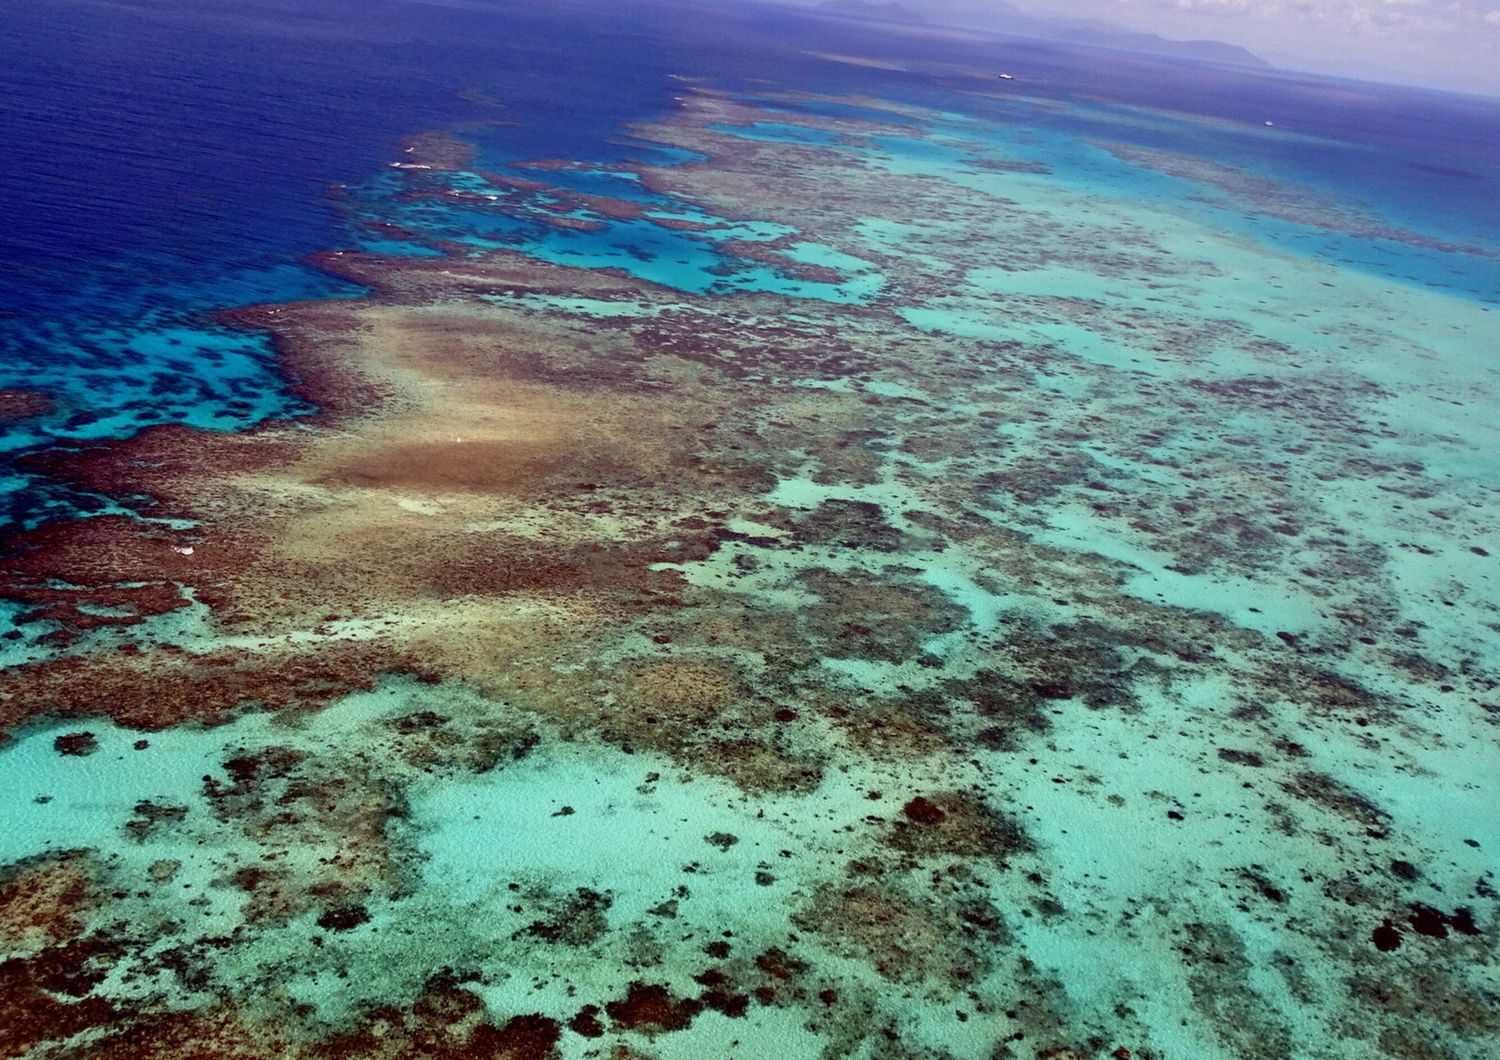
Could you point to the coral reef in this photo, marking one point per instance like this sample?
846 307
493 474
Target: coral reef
947 611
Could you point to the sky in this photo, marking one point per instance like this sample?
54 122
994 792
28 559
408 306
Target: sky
1450 44
1441 43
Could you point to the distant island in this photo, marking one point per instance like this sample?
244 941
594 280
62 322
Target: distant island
999 17
1105 35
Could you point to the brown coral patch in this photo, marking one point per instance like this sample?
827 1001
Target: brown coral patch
652 1007
43 901
849 524
22 404
901 729
1337 797
285 799
880 617
30 1015
955 824
1219 975
111 559
905 937
48 996
213 1032
448 1022
162 687
78 610
530 1037
686 690
435 465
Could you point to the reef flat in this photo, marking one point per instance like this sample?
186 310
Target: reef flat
892 584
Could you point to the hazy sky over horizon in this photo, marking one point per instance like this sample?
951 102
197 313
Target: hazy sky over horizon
1453 44
1444 43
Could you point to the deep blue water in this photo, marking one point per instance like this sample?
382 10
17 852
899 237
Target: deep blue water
165 158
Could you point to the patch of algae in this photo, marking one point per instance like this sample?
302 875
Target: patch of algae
1080 642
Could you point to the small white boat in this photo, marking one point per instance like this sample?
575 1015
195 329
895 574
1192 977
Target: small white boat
1007 77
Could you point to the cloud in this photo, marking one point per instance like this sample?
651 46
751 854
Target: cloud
1439 43
1434 14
